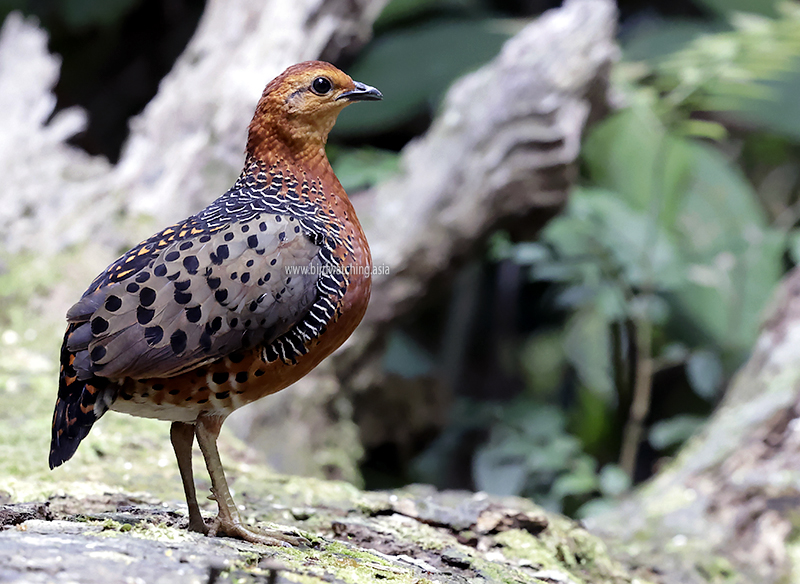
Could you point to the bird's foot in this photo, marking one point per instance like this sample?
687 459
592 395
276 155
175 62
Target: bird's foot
271 537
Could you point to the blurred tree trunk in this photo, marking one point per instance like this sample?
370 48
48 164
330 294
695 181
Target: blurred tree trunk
727 508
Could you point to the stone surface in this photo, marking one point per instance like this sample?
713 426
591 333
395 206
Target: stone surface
416 535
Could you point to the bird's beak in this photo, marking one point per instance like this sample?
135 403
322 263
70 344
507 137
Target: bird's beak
361 92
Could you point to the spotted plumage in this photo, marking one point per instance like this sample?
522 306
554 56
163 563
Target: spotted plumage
233 303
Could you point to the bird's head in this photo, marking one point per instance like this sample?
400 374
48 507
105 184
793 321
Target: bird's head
299 107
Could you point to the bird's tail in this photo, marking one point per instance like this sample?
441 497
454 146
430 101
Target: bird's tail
77 407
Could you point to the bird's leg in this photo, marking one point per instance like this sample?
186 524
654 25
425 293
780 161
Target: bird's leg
182 436
228 521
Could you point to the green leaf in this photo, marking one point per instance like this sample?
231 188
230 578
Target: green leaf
414 67
703 129
734 260
603 224
631 154
495 473
579 480
588 349
794 245
705 373
726 7
592 419
652 40
674 431
361 168
614 481
542 360
403 10
776 107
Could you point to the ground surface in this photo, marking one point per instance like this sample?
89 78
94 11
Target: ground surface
415 535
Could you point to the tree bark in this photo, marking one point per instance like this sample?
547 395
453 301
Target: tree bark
726 509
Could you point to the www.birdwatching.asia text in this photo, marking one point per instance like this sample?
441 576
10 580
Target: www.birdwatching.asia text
312 270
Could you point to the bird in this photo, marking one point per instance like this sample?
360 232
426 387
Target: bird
231 304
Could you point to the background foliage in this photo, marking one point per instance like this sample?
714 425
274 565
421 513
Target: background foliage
577 362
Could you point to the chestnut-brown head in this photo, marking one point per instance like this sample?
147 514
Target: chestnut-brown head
298 109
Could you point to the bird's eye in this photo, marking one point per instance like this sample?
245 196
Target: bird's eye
321 85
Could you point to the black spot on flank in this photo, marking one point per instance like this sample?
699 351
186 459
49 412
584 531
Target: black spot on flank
99 325
213 283
160 270
172 256
113 303
174 391
186 245
288 280
205 344
259 372
247 323
158 386
282 236
221 295
241 377
297 229
205 239
253 306
267 276
219 377
234 322
142 277
194 314
133 287
147 296
236 357
173 277
183 285
178 341
261 251
260 282
222 395
222 251
125 395
144 315
216 324
262 226
250 263
153 335
272 263
278 218
191 263
183 297
234 275
202 401
228 236
245 278
245 228
252 241
98 353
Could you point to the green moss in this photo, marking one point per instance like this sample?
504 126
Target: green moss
718 570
